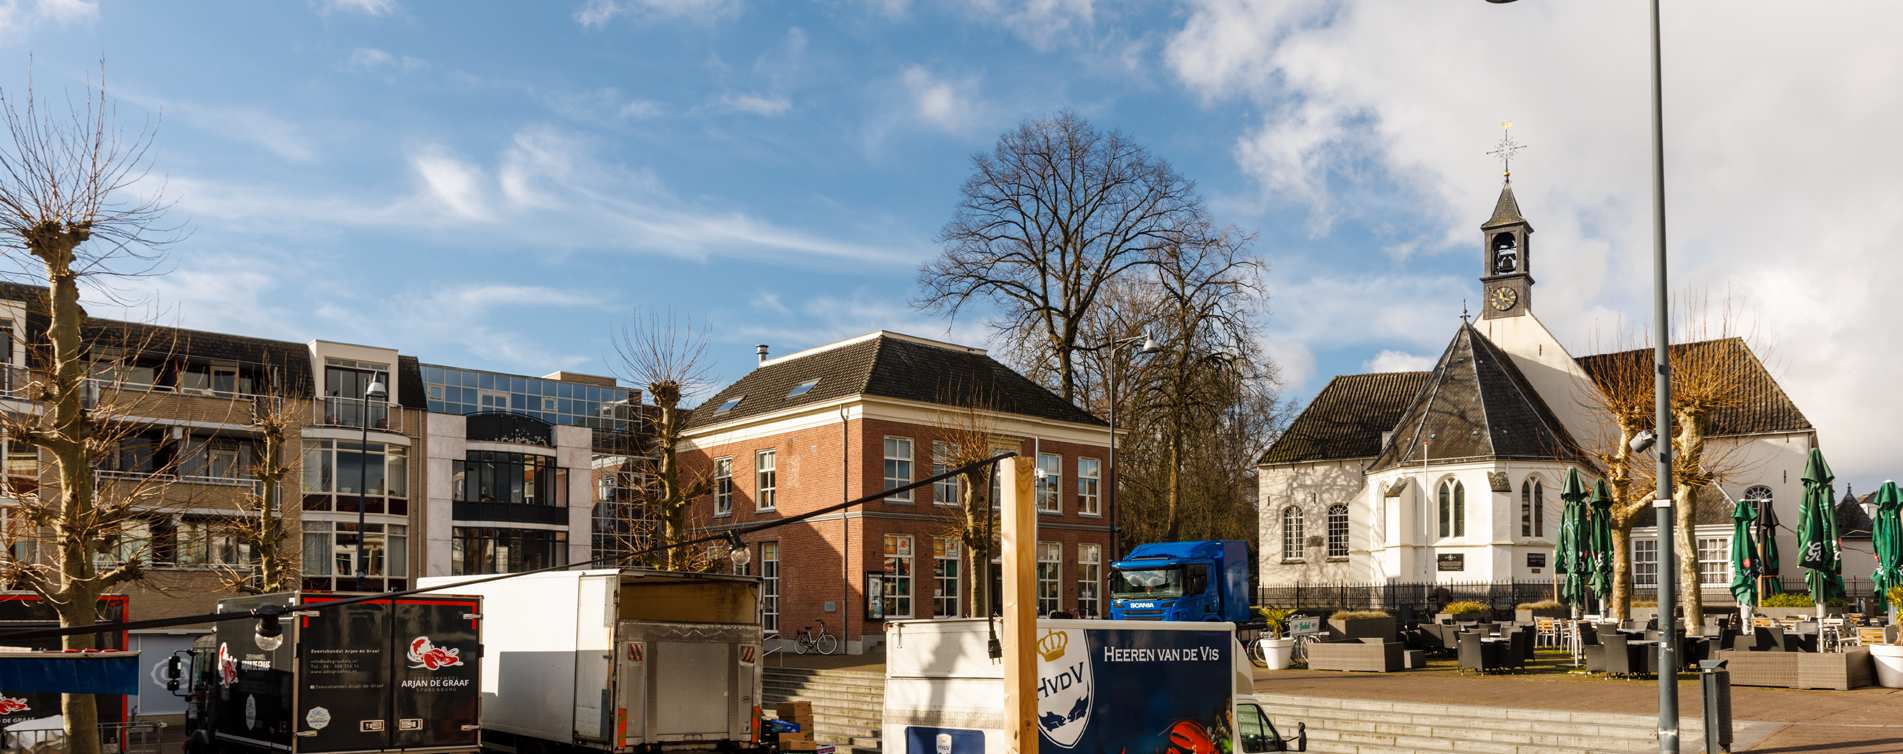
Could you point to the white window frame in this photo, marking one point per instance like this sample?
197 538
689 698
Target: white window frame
947 550
1089 579
1293 534
770 587
897 452
900 557
1050 484
1050 591
1089 487
1645 562
766 479
1450 507
945 492
1718 559
723 486
1346 527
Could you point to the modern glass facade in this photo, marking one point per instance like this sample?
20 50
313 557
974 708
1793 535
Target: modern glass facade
455 390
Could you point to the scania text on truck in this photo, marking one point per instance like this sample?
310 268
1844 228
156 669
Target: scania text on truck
391 675
1115 687
619 661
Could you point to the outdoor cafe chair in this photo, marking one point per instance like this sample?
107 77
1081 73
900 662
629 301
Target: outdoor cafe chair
1482 654
1767 639
1622 656
1547 632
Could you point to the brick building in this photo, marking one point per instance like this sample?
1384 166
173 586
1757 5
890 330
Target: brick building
850 418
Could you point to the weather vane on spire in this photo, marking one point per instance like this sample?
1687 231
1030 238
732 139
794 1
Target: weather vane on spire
1506 149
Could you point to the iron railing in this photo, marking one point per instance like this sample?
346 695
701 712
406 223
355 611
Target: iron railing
357 413
1420 600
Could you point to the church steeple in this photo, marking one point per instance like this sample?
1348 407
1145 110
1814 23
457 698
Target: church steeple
1506 253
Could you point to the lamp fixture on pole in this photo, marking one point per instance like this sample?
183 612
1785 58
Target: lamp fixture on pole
1144 345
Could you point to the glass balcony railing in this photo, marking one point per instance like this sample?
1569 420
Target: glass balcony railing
358 413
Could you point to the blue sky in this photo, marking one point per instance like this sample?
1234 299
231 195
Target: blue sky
495 185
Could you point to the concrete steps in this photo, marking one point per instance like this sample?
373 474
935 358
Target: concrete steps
1359 726
847 704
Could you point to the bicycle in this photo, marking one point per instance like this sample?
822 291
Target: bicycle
823 642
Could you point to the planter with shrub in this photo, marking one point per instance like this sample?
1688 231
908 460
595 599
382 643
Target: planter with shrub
1464 611
1527 612
1363 624
1277 652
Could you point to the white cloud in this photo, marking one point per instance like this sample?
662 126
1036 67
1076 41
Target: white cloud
69 11
1779 133
768 105
597 13
548 190
1041 23
1389 360
953 106
365 7
456 185
261 128
373 59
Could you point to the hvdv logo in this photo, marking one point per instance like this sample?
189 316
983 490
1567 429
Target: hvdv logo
1063 685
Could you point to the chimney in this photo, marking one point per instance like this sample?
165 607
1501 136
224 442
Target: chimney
761 350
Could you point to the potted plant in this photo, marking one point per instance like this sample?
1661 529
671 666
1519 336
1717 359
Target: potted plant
1363 624
1889 657
1276 650
1526 612
1788 606
1465 610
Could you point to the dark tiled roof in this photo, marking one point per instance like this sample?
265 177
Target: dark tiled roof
1506 211
892 366
1477 405
1852 522
1762 405
1346 419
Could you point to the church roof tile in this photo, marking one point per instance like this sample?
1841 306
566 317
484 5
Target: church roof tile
1477 405
1347 418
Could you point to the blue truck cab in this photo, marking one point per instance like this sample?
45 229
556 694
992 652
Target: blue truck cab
1206 580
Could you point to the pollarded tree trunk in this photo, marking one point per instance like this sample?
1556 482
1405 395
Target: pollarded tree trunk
76 587
1621 573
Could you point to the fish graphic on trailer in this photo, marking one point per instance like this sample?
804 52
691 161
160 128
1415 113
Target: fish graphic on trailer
1064 686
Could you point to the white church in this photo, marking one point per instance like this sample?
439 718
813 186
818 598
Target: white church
1453 475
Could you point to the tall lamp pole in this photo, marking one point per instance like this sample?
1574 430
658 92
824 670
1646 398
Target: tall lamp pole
371 394
1145 345
1661 354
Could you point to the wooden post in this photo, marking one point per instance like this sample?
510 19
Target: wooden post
1018 541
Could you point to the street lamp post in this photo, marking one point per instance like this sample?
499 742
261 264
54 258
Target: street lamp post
1146 345
374 392
1661 353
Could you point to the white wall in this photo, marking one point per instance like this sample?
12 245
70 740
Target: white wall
1313 487
1553 372
447 442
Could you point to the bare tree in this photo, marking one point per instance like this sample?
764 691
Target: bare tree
69 209
664 353
966 436
1045 222
259 520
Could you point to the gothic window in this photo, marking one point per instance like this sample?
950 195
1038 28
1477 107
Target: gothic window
1532 508
1453 509
1292 534
1506 254
1758 492
1337 531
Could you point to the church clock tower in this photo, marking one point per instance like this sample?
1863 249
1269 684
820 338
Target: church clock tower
1507 259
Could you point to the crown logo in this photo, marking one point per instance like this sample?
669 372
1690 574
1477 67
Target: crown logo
1052 646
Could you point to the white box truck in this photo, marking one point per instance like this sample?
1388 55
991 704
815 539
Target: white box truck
1116 687
619 661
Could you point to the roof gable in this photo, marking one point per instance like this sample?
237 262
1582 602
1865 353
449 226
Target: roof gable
1762 406
888 365
1477 405
1347 418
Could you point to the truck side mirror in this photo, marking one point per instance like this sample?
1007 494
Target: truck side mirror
173 669
172 685
1301 736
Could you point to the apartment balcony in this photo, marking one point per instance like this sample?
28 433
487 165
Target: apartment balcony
171 403
177 492
357 413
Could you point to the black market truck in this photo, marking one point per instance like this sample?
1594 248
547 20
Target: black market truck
390 675
610 660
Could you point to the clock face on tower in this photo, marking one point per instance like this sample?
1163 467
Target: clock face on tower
1504 298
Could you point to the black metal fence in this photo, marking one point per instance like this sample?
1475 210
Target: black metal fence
1420 600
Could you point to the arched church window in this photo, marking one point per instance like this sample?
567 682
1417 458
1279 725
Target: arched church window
1453 508
1337 531
1526 508
1539 509
1506 254
1292 534
1758 492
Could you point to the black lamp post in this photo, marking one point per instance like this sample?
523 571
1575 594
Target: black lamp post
1145 345
1662 392
371 394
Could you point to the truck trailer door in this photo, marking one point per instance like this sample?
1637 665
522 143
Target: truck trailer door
434 667
343 698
